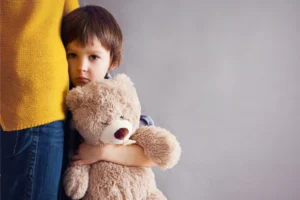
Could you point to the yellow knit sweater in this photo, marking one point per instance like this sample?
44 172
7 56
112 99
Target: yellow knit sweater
34 72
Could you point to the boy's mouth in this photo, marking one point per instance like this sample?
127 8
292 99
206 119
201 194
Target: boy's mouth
82 80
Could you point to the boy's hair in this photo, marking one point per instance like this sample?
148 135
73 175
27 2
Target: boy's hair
83 23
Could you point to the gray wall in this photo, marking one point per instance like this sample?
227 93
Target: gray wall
223 76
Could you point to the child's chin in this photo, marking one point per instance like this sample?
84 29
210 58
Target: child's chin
82 84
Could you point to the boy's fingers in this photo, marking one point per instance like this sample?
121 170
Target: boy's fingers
75 157
79 162
82 162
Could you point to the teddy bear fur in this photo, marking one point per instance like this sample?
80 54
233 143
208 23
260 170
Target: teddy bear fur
93 107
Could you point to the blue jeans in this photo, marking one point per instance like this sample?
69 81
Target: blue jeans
31 162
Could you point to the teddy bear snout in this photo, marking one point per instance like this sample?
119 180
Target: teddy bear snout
121 133
117 132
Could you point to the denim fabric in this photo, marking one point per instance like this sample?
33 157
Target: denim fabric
31 162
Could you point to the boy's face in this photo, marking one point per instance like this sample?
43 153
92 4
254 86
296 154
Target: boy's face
89 63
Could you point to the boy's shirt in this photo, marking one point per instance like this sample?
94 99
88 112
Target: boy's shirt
146 120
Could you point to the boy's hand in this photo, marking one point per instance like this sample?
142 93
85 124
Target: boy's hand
88 154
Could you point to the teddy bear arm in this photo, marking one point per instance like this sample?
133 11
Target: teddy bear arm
76 180
159 145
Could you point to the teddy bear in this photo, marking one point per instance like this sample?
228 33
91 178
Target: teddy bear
109 112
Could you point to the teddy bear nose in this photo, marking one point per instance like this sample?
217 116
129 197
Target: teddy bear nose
121 133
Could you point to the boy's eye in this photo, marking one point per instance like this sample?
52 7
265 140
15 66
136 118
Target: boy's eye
71 55
94 57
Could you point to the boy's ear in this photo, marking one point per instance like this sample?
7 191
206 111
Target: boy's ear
124 79
74 98
112 66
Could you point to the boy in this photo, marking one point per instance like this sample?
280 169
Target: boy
93 42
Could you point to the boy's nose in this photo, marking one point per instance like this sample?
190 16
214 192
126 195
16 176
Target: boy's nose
82 67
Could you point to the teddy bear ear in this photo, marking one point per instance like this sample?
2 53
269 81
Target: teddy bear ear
74 98
123 78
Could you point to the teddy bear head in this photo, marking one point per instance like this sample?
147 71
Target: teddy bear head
107 111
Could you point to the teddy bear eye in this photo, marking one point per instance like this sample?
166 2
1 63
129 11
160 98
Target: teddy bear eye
104 123
122 117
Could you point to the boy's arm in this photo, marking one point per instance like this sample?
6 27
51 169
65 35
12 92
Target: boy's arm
130 155
155 147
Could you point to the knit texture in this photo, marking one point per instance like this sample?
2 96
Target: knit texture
34 70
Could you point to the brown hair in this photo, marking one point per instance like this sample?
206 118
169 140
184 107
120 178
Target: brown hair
83 23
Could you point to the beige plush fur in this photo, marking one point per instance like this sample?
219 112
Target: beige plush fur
96 105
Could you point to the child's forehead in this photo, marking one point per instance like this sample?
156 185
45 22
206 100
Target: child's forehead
93 43
87 41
